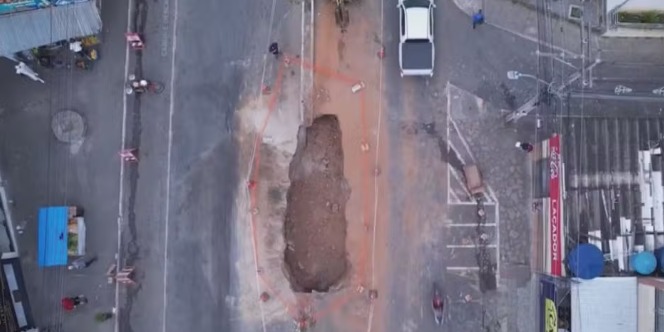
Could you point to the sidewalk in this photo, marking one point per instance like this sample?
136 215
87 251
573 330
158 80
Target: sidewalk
41 171
521 19
476 138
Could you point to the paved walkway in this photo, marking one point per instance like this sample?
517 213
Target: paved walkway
475 137
521 19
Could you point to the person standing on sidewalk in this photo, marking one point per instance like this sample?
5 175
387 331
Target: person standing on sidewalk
274 49
524 146
478 18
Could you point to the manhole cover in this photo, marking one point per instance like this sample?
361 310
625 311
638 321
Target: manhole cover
68 126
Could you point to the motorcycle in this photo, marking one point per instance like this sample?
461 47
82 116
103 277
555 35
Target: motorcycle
437 306
141 86
73 302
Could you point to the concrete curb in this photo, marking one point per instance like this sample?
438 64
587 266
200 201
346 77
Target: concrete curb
11 227
465 7
308 46
312 47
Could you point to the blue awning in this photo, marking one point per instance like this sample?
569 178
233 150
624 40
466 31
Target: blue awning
52 245
29 29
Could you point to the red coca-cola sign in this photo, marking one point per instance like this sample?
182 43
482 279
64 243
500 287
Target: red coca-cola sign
554 206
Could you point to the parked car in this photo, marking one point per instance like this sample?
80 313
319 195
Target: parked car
416 47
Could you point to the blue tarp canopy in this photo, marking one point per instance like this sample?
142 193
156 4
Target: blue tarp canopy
586 261
52 245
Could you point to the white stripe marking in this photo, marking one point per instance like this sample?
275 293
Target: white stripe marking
498 240
447 139
470 225
469 203
171 112
452 197
375 212
118 257
301 100
467 246
462 268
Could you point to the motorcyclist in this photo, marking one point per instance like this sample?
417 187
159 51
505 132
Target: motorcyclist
139 86
438 304
70 303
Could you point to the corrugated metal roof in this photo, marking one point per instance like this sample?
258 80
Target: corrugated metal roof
29 29
52 236
604 304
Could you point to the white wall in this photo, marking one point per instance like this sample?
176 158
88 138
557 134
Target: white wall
639 5
604 304
646 308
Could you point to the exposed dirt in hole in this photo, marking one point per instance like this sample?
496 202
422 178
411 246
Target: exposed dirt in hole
315 225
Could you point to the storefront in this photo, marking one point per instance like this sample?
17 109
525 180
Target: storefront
13 6
554 304
15 313
548 220
29 24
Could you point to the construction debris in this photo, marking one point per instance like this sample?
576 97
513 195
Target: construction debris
123 276
358 86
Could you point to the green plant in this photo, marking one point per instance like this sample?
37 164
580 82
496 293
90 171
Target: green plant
103 316
649 17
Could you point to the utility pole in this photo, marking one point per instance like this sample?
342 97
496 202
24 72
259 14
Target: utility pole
533 102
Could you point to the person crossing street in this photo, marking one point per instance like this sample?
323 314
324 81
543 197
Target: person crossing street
274 49
478 18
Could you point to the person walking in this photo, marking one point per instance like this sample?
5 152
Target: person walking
478 18
524 146
274 49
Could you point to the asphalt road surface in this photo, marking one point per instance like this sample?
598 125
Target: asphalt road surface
476 61
180 199
177 202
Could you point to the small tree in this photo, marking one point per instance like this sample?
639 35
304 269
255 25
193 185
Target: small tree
103 316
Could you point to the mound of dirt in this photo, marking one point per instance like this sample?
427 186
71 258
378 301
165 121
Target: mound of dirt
315 225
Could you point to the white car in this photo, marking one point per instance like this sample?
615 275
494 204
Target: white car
416 48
